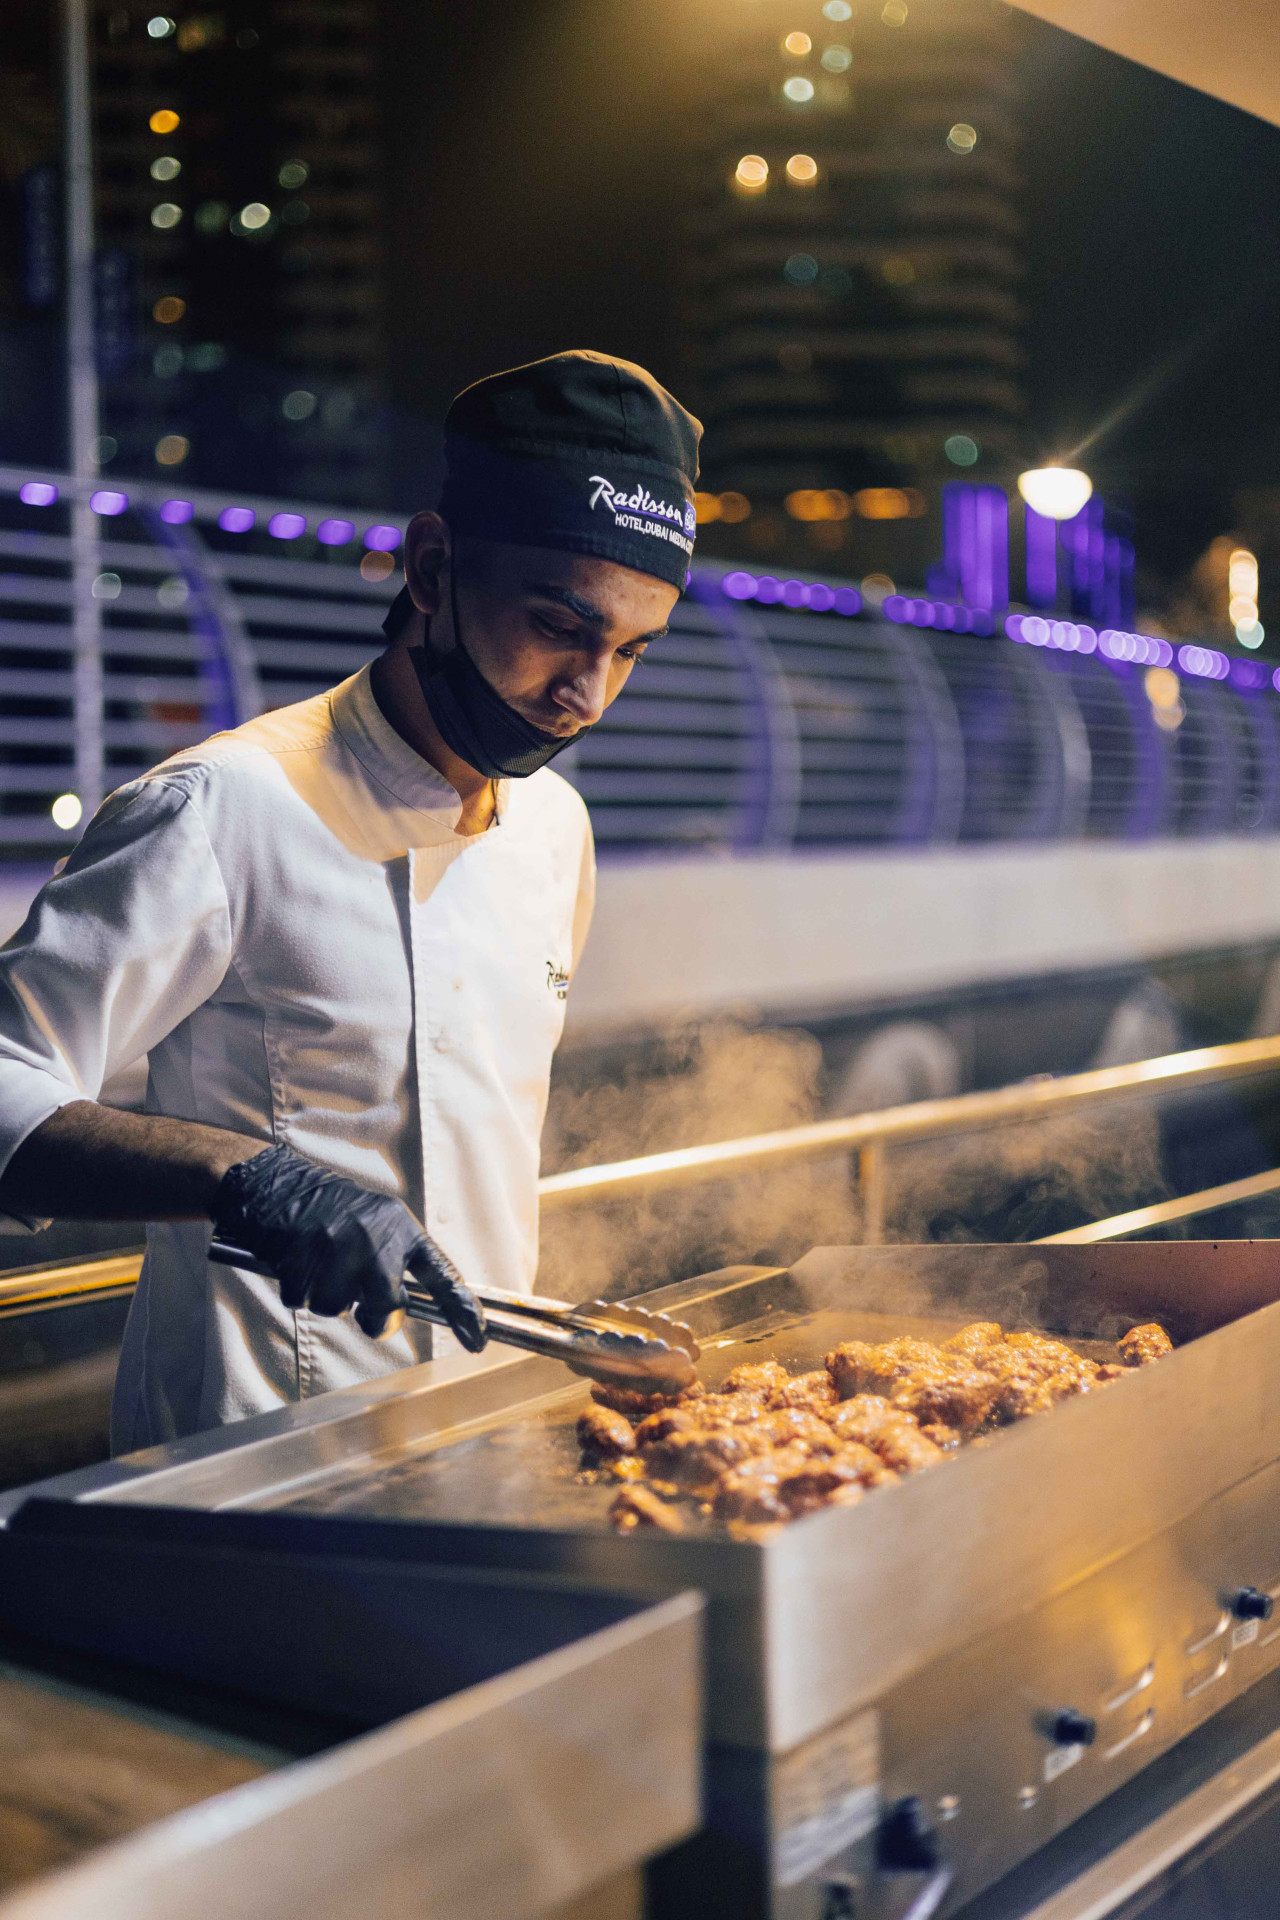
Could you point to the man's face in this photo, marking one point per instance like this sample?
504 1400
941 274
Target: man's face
556 634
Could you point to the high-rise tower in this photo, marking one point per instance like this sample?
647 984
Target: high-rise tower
852 312
240 245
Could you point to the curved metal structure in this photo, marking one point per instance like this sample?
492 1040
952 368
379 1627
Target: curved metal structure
784 723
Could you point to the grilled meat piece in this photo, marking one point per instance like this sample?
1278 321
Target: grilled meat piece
604 1434
697 1460
753 1493
974 1341
636 1405
764 1377
634 1507
808 1390
661 1425
1142 1345
1110 1370
959 1397
947 1438
1019 1395
837 1478
793 1426
886 1430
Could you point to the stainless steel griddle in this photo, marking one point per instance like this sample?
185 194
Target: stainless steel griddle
1007 1639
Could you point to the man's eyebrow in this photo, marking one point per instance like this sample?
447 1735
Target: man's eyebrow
566 597
586 610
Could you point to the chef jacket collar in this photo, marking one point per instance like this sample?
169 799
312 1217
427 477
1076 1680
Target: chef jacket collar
394 764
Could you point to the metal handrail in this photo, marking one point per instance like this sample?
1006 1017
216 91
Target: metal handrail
869 1134
1185 1207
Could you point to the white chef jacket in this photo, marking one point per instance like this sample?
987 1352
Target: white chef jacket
284 921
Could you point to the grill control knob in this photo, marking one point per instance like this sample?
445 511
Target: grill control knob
1071 1728
1250 1603
905 1841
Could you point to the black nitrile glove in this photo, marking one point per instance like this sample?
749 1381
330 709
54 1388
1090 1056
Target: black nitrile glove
335 1245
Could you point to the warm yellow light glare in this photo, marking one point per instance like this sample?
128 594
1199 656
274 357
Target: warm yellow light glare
172 449
67 811
888 503
376 566
168 309
1242 573
818 503
164 120
797 43
962 138
898 270
838 10
254 216
894 14
797 89
1242 610
1058 493
706 507
734 507
802 169
1163 687
752 172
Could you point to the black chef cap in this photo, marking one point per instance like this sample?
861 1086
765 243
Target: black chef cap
578 452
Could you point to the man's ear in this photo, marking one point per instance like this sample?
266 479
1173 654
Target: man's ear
426 554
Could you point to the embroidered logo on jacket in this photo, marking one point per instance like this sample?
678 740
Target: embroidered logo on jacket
557 981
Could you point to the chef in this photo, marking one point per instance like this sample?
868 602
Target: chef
343 933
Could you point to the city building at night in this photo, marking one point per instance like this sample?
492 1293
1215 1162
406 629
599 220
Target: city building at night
240 252
851 306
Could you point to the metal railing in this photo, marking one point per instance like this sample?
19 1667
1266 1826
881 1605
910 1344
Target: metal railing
870 1135
797 720
1122 1226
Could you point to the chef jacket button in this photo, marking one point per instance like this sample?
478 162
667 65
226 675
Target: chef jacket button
442 1215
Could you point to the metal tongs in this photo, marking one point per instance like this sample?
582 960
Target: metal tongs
608 1340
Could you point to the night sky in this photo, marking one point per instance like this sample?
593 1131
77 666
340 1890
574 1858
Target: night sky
535 196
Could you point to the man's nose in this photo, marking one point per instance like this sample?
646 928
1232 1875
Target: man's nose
587 694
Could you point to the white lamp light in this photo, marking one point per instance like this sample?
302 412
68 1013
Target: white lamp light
1056 492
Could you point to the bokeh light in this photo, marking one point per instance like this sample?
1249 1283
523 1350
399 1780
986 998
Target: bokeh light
837 58
1057 493
797 89
38 493
800 270
166 167
962 138
334 533
382 539
172 449
286 526
160 26
838 10
164 120
236 519
166 215
802 169
961 449
168 309
108 503
293 174
254 217
798 44
67 811
298 405
377 566
752 172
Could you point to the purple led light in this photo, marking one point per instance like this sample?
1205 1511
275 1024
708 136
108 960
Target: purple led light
768 590
236 519
819 596
37 493
1205 663
794 593
1134 649
334 533
739 586
286 526
1275 679
176 513
382 539
108 503
1042 559
848 601
1248 673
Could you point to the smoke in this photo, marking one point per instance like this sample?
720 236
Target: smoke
1025 1182
721 1080
714 1081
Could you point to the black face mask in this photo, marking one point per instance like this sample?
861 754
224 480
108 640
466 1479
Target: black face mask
473 719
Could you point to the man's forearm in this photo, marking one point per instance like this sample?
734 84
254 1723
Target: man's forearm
88 1162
